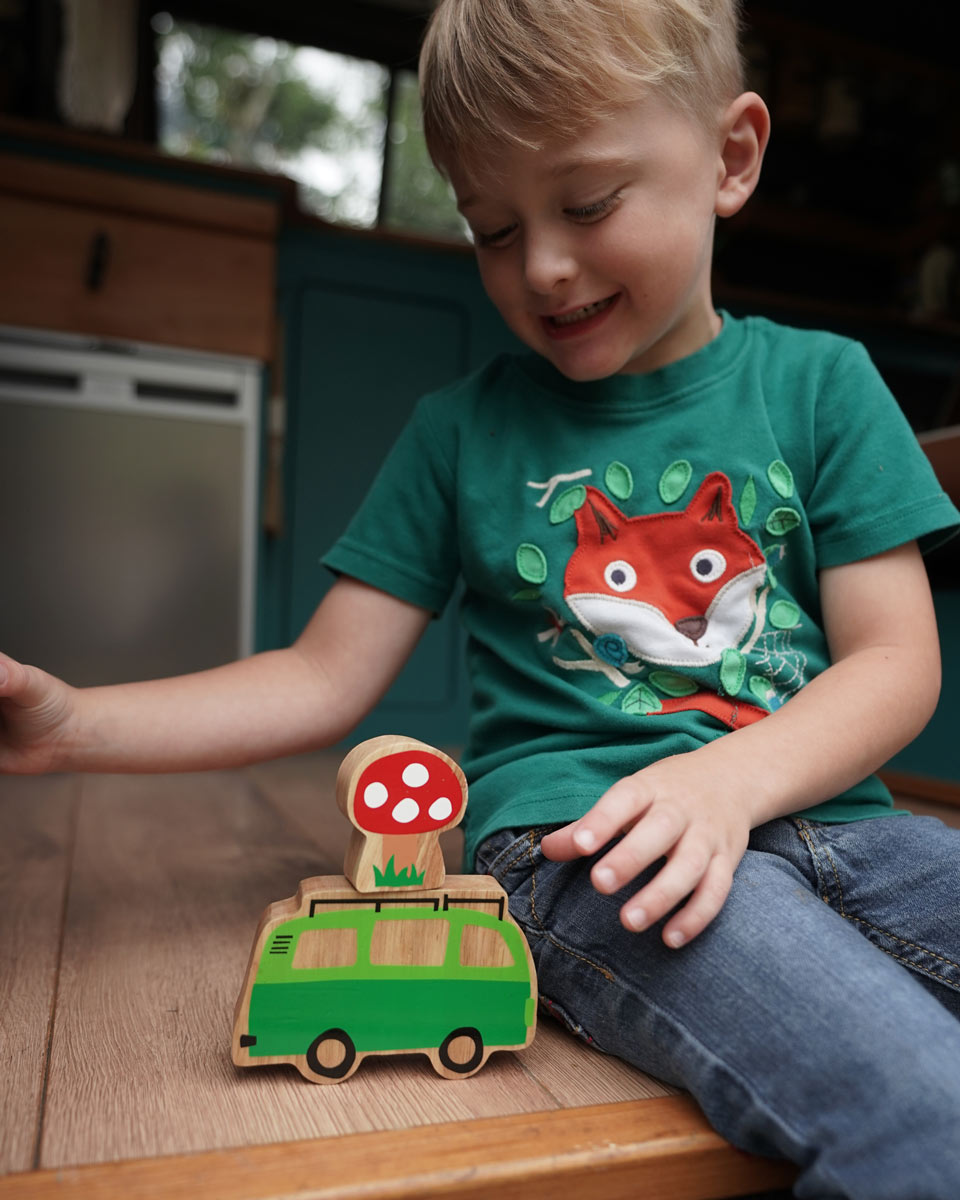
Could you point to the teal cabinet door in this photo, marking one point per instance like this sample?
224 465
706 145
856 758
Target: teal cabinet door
934 752
371 326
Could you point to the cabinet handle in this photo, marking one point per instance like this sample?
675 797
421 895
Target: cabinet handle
97 261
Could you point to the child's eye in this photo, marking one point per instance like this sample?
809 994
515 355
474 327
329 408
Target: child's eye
499 237
594 212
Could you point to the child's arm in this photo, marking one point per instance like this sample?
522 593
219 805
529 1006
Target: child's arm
279 702
697 809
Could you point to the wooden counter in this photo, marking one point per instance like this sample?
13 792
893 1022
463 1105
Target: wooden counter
128 908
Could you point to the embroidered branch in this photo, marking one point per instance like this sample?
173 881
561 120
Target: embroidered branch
554 482
557 626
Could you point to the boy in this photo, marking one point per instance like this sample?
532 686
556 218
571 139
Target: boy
697 611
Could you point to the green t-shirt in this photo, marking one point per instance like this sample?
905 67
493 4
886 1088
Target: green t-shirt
640 553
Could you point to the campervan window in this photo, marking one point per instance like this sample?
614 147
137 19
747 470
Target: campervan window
409 942
326 948
484 947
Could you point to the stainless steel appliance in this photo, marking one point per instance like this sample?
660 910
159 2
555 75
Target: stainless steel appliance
127 506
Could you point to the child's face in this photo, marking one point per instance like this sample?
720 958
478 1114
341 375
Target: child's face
596 250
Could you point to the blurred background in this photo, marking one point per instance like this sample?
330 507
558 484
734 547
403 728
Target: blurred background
222 212
857 210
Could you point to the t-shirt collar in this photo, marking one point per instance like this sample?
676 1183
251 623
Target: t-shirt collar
632 391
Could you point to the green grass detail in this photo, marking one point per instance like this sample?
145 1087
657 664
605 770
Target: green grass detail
391 877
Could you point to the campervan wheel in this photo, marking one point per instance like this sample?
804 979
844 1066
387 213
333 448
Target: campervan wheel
332 1055
461 1052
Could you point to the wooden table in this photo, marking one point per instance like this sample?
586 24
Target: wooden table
129 904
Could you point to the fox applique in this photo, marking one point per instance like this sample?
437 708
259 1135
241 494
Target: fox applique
678 587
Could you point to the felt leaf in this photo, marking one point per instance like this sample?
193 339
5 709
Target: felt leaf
674 480
761 689
784 615
608 697
781 477
566 504
672 685
748 502
527 594
619 480
531 563
733 668
782 520
641 700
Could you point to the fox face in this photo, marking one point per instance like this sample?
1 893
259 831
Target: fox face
678 587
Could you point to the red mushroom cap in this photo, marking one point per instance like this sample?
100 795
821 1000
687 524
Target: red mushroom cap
411 791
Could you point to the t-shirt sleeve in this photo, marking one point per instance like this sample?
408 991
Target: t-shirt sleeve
402 538
874 487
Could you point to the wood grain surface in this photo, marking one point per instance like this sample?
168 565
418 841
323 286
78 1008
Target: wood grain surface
129 904
656 1149
34 869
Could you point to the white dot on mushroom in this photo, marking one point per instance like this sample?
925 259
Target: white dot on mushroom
406 811
415 775
375 795
440 809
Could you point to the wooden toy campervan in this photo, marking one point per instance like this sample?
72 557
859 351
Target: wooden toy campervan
414 962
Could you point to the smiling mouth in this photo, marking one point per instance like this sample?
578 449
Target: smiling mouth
580 314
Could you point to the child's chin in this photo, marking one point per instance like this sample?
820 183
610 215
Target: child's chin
584 372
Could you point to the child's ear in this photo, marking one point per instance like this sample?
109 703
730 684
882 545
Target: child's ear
745 131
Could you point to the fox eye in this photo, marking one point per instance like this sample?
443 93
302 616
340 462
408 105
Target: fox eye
707 565
619 576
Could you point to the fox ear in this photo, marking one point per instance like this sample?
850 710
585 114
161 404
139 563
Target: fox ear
714 500
598 519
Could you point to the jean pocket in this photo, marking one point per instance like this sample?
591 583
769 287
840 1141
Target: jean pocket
493 849
508 849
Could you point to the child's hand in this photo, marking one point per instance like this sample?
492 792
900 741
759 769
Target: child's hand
35 712
675 808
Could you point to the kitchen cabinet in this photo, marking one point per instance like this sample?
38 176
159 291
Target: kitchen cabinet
92 250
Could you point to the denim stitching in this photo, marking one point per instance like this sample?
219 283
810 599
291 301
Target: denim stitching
605 972
903 942
836 876
523 852
803 833
916 966
513 861
807 836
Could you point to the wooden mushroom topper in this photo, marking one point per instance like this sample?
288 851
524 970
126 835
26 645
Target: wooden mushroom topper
399 795
395 958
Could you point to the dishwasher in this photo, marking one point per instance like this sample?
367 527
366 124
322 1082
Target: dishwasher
128 505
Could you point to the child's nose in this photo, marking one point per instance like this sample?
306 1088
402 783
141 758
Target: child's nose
547 263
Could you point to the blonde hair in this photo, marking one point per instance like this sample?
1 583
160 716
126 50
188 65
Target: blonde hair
528 70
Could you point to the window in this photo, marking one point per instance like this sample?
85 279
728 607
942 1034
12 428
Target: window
318 948
483 947
346 129
409 943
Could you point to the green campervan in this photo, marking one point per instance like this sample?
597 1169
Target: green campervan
333 986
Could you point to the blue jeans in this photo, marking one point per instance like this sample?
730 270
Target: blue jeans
817 1018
